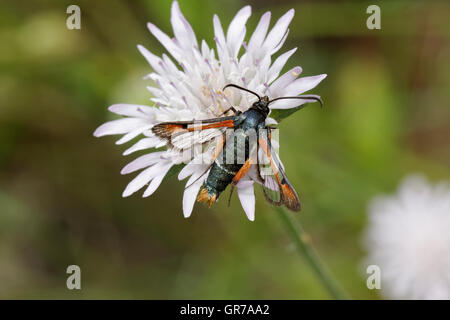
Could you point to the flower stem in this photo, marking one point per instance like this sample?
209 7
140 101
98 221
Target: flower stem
303 244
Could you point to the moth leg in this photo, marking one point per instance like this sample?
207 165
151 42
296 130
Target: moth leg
231 193
244 170
236 112
271 126
220 142
240 174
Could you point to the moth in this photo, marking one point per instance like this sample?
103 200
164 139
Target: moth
245 152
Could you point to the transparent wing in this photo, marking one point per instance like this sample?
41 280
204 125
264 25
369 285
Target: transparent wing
188 139
270 186
276 187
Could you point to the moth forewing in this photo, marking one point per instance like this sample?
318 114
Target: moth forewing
184 134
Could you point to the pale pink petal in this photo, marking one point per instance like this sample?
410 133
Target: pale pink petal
276 89
142 162
119 126
287 104
247 197
303 84
296 88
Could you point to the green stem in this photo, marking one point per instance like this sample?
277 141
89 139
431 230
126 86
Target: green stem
303 244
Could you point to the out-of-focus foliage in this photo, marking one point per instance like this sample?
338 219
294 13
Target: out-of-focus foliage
386 114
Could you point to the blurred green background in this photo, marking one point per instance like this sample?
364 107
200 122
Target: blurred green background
386 114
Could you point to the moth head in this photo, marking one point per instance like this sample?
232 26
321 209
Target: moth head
262 105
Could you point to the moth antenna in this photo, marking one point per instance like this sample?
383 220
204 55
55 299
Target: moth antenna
316 98
241 88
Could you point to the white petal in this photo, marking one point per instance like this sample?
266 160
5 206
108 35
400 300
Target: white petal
155 91
145 143
165 41
153 60
264 65
132 134
246 195
238 23
220 40
142 162
236 30
190 193
132 110
142 179
154 184
260 32
205 49
280 44
181 28
278 65
218 31
278 31
157 181
173 70
119 126
188 170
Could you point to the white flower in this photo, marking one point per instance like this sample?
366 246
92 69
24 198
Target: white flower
409 239
190 88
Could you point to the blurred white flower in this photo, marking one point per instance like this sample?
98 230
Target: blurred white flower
408 237
195 92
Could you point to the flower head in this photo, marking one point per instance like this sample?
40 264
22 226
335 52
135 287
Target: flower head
188 85
408 238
